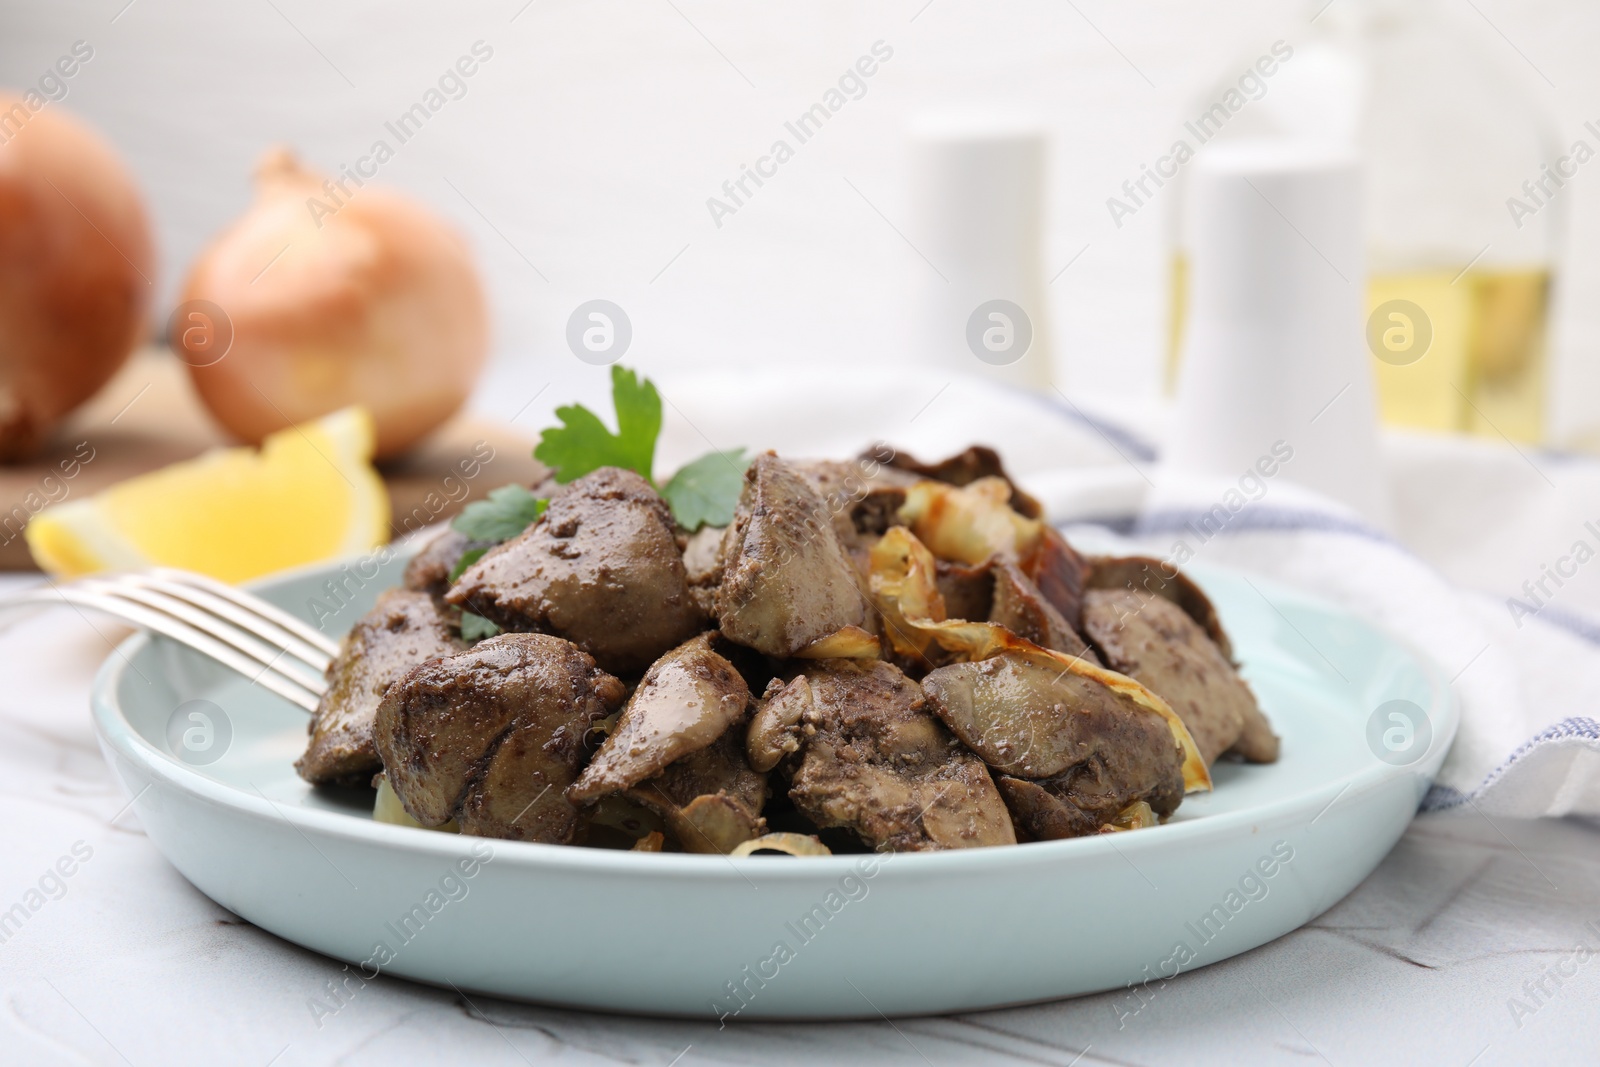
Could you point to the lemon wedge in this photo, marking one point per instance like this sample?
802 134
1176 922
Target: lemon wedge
309 494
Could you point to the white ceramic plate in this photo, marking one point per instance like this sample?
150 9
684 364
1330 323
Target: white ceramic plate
767 936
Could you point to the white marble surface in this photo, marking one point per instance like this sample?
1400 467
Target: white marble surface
133 965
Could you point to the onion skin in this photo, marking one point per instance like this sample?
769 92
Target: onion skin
379 305
77 266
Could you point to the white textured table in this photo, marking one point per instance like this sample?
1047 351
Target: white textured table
126 962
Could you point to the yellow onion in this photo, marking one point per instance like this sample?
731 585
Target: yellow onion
76 268
325 295
793 844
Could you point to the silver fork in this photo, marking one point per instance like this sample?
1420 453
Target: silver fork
242 632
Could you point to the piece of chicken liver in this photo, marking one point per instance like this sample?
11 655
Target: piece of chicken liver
1154 641
874 761
861 496
402 630
967 589
688 698
494 736
678 749
429 570
710 799
1020 607
1040 815
601 569
1068 733
787 579
1150 575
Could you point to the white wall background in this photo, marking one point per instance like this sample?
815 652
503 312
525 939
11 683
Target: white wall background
592 138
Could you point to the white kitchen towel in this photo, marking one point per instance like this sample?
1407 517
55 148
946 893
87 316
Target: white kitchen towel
1478 527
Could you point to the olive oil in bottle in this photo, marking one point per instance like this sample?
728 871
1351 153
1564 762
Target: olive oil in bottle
1458 290
1484 369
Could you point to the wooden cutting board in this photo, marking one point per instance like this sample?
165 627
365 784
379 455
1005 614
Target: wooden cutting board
148 416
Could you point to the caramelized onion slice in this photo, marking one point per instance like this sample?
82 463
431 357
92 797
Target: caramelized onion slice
969 523
1136 816
847 642
793 844
963 468
904 583
601 729
386 807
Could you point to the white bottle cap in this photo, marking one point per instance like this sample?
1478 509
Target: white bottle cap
1275 355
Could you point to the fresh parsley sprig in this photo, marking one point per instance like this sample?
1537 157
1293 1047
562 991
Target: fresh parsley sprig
702 492
582 443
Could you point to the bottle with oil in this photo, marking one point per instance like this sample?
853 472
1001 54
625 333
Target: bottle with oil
1464 204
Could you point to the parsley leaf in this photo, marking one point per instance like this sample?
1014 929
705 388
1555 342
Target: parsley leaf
468 558
476 627
509 510
705 491
583 443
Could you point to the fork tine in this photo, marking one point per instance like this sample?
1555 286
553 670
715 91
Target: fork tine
243 612
270 612
268 677
262 652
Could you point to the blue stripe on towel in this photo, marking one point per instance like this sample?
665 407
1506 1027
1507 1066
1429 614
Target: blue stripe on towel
1443 797
1252 519
1129 444
1573 623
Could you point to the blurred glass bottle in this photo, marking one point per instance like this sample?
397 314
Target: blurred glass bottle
1463 209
